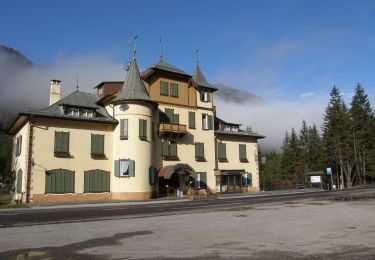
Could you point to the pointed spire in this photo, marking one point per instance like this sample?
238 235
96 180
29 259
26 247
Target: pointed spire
133 88
161 49
200 79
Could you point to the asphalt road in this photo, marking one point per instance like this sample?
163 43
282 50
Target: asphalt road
102 211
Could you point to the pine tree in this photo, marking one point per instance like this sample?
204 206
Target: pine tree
303 140
362 125
337 139
314 157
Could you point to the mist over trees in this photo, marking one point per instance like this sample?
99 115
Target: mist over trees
345 143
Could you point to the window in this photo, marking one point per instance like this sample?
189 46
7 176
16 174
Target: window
205 96
61 143
222 156
124 168
19 145
97 145
171 117
201 180
174 90
96 181
247 179
199 152
169 150
143 129
19 181
207 122
242 150
124 129
192 120
59 181
164 88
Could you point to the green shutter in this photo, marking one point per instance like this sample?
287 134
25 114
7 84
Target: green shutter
131 168
123 128
96 181
145 128
19 181
97 144
199 150
242 150
59 181
210 122
86 182
58 141
163 88
174 90
169 113
249 179
173 149
152 175
165 149
162 117
140 128
191 119
203 180
176 119
117 168
221 151
65 142
196 150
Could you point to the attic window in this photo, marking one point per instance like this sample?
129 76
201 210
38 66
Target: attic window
79 112
205 96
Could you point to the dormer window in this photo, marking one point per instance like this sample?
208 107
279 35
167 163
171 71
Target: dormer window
79 112
205 96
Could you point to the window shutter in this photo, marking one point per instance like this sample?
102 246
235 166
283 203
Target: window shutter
145 128
58 141
65 142
86 182
191 119
162 117
123 128
174 90
202 150
164 88
101 144
242 149
196 150
59 181
94 144
117 168
210 122
169 113
208 98
131 168
222 151
19 181
249 179
165 149
152 175
140 128
176 119
173 149
203 180
20 145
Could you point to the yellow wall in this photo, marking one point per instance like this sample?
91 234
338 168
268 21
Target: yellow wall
186 146
133 148
79 148
232 153
20 162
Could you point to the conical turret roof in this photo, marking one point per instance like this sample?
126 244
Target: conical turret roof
133 89
200 79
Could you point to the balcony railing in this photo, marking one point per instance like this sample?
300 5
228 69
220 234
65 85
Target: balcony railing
172 129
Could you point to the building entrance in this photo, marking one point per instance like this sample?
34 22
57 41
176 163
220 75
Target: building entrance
175 180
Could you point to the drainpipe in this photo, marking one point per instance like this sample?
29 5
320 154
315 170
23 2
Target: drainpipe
29 161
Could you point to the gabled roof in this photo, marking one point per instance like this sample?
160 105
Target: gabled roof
164 66
133 88
201 80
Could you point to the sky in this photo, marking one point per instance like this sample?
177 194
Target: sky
289 52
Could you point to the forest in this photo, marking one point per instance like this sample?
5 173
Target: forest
345 142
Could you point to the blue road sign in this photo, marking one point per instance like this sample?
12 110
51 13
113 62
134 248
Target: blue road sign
329 171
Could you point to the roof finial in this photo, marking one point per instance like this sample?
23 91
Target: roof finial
129 47
77 83
197 53
135 46
161 49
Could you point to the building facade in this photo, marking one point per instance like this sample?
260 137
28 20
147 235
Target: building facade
155 134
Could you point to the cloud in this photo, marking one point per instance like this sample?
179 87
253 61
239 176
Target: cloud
24 88
307 94
273 119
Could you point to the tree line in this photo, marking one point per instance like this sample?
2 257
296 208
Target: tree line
345 143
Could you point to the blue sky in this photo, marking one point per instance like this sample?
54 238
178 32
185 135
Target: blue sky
276 49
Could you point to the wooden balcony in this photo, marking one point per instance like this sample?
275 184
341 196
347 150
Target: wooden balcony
172 129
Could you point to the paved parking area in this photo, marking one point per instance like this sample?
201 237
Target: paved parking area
308 229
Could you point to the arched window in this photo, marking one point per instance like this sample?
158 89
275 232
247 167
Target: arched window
96 181
59 181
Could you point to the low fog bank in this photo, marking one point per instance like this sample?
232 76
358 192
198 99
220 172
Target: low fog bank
24 88
272 119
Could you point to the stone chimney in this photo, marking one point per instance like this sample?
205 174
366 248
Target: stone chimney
54 94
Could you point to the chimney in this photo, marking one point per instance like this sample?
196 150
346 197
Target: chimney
54 94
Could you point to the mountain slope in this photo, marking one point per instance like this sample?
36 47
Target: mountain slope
233 95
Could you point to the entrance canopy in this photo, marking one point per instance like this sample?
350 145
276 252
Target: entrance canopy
167 171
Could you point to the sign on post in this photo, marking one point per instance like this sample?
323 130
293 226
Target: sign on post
329 171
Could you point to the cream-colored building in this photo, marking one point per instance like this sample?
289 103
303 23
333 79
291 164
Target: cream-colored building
154 135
